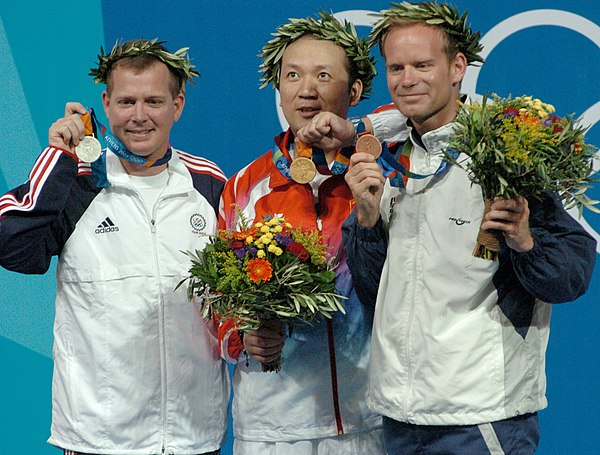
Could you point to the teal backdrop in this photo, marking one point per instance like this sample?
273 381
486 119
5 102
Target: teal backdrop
549 49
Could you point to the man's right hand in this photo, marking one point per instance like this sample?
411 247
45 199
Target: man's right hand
69 130
327 131
365 179
266 344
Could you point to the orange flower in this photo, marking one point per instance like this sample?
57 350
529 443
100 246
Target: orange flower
526 120
243 234
259 270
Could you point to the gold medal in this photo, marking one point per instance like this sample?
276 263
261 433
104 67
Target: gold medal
88 150
367 143
302 170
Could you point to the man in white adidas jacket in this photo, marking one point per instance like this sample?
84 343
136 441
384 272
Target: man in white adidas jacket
458 347
136 368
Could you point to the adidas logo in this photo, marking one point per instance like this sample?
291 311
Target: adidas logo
106 226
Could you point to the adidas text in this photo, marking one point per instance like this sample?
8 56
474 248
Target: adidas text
106 229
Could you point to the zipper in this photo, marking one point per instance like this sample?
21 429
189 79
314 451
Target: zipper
331 345
161 328
151 217
412 312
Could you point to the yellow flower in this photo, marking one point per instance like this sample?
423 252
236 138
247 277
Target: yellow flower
518 155
249 239
278 251
271 248
261 253
264 229
266 239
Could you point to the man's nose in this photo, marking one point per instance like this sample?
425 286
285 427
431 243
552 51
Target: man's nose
139 112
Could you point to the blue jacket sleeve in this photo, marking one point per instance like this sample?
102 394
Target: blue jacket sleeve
559 267
366 249
37 217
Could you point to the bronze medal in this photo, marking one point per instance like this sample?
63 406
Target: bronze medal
88 150
367 143
302 170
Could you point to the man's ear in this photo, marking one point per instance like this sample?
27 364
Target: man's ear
179 102
355 92
458 67
105 102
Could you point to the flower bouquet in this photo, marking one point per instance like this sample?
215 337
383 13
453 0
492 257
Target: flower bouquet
264 272
517 147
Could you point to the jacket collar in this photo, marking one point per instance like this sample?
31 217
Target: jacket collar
180 179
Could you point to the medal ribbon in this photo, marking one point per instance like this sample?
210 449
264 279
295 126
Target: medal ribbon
337 167
99 172
87 124
394 170
98 166
122 152
283 164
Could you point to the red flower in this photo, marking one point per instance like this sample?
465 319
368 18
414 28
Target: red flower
510 112
556 121
298 250
236 244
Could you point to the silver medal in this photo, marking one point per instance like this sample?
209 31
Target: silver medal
89 149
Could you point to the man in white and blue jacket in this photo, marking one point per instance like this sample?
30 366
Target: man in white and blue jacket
136 368
458 348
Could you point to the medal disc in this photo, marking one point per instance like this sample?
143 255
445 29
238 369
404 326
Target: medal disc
368 143
89 149
302 170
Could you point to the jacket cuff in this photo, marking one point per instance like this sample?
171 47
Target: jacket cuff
369 234
231 345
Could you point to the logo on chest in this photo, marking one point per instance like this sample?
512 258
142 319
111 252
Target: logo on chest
198 223
459 221
106 226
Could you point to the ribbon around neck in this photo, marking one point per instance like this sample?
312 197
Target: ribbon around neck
394 170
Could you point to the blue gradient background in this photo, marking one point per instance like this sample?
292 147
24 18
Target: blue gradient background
46 50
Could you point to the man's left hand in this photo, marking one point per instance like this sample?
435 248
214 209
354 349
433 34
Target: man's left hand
511 217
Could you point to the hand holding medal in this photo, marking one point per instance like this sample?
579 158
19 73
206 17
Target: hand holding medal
89 149
367 143
74 132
